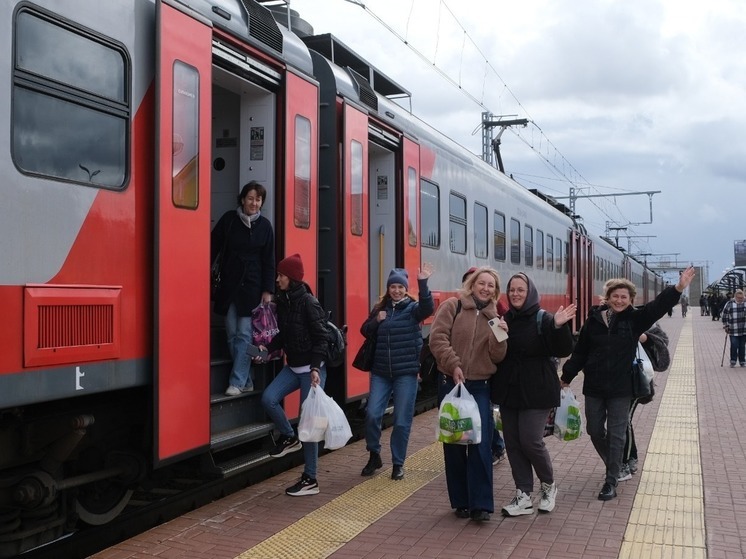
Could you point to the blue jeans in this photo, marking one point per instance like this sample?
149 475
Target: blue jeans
606 422
240 335
404 388
285 383
737 349
469 467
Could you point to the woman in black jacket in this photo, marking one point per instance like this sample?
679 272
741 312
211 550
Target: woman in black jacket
247 274
606 348
527 387
303 336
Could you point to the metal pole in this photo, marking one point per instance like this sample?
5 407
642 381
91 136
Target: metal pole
725 342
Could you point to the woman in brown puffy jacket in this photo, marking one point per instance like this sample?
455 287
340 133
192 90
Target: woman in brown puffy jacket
466 351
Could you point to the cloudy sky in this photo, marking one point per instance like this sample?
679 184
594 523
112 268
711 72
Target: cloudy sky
625 96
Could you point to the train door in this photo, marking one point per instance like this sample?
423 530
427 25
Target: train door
300 191
581 274
182 214
356 234
394 175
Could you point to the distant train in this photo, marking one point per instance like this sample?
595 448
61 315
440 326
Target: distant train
127 129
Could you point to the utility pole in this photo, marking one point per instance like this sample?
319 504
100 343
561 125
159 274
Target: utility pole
573 197
490 144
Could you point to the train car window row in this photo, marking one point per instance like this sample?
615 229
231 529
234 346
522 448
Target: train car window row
533 247
429 214
71 103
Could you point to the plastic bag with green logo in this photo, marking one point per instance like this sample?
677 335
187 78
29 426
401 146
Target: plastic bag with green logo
459 421
568 424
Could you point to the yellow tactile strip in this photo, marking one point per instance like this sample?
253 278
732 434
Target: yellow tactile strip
322 532
667 519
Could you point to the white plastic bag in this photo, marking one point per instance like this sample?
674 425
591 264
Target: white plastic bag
338 431
567 421
459 421
314 416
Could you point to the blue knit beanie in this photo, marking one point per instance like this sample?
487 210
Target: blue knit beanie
398 275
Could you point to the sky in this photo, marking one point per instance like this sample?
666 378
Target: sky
623 96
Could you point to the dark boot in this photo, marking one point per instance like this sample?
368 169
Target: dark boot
374 462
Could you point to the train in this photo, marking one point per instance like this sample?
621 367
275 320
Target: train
127 128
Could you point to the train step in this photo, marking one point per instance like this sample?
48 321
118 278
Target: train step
233 465
239 435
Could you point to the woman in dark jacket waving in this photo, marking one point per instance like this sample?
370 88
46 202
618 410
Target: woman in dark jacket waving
395 325
527 387
606 348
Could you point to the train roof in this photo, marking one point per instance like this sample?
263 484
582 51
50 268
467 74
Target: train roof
256 25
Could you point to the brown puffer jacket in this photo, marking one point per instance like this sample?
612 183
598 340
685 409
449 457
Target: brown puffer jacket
467 340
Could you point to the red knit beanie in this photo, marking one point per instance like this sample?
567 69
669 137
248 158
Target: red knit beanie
292 267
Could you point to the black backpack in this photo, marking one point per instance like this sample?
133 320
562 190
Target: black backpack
336 343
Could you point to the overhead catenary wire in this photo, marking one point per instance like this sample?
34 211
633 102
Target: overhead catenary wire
555 161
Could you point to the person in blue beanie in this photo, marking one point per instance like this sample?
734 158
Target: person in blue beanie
394 324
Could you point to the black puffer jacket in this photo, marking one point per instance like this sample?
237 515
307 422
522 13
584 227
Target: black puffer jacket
527 378
605 353
248 263
302 323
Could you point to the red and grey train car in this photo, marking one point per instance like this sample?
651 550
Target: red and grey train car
127 129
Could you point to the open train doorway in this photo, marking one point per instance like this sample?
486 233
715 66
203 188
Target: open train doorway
383 217
243 149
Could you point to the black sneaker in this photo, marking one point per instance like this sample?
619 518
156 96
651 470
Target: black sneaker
497 457
607 493
306 486
285 445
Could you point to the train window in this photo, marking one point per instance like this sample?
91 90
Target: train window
480 231
499 236
564 257
71 103
356 188
539 249
185 152
430 212
302 173
412 201
515 241
550 253
528 245
457 219
558 255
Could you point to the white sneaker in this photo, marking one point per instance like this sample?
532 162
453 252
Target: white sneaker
521 504
548 494
624 473
233 391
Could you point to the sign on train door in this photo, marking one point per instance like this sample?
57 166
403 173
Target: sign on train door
182 232
300 193
410 224
356 280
